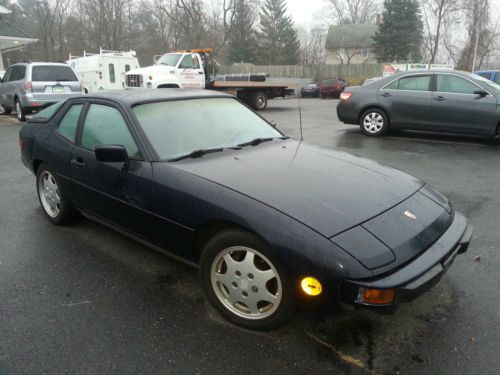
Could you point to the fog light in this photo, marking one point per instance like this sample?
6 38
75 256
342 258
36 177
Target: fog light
376 296
311 286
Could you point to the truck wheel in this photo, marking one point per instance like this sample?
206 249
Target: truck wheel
258 101
4 110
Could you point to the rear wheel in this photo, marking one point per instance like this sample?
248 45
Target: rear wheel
4 110
245 282
57 208
258 101
20 112
374 122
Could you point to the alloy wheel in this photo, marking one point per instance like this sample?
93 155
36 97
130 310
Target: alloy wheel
373 122
49 194
246 282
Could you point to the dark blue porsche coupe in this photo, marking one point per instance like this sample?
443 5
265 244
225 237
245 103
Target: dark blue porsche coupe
268 220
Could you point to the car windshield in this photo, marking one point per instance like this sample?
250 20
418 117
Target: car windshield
311 86
179 127
169 59
486 82
52 73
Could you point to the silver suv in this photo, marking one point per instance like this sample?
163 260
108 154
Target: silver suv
29 87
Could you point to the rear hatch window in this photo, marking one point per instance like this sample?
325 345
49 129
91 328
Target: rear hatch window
52 73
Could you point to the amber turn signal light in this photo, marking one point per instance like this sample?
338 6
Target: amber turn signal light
376 296
311 286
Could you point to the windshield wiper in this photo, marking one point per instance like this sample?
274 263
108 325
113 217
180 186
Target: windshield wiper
198 153
256 141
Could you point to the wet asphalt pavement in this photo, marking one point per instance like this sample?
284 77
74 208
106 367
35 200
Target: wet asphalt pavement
85 300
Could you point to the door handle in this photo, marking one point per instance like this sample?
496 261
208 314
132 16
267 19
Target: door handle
78 162
200 72
385 94
440 98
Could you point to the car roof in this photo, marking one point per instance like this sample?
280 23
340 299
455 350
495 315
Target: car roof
41 63
136 96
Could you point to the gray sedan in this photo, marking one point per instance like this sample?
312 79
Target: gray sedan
436 101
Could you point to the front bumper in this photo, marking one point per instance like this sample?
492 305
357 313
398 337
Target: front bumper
420 274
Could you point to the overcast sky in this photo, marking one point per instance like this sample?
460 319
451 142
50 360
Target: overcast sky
302 11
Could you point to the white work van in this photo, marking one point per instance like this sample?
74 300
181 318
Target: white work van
104 70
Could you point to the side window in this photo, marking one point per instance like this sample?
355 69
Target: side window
497 78
17 73
196 62
187 62
454 84
6 76
415 83
112 73
105 125
127 68
67 126
393 85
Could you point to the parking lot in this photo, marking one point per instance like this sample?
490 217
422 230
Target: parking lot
83 299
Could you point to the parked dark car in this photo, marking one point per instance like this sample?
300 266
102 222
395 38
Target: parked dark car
435 101
29 87
267 219
492 75
332 87
311 90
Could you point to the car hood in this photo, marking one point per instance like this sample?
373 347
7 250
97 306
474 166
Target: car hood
327 190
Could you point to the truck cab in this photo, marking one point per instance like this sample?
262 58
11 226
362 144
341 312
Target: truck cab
172 70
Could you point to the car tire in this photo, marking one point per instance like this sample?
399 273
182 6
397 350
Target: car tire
245 282
54 205
258 101
20 112
374 122
5 110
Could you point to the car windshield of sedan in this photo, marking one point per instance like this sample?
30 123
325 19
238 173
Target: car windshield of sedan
179 127
486 82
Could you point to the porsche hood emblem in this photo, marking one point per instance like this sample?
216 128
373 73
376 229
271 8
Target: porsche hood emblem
410 215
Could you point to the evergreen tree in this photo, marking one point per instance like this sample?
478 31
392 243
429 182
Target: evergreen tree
399 37
242 42
278 39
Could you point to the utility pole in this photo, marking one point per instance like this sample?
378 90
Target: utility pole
475 48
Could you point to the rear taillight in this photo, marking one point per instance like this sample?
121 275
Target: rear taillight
345 95
28 87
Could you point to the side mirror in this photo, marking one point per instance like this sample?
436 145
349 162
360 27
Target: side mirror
111 154
481 93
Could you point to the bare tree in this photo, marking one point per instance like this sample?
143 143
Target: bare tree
481 34
221 17
50 16
436 13
354 11
312 46
188 19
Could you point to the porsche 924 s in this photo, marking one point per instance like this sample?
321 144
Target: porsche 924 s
268 220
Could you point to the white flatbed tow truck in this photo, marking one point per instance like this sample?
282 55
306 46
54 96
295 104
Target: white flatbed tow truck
190 69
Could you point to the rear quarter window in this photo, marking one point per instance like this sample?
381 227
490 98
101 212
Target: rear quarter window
52 73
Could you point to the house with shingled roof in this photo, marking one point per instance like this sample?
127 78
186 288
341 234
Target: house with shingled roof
350 44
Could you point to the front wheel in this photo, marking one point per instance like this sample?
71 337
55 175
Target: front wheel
245 282
374 122
55 206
